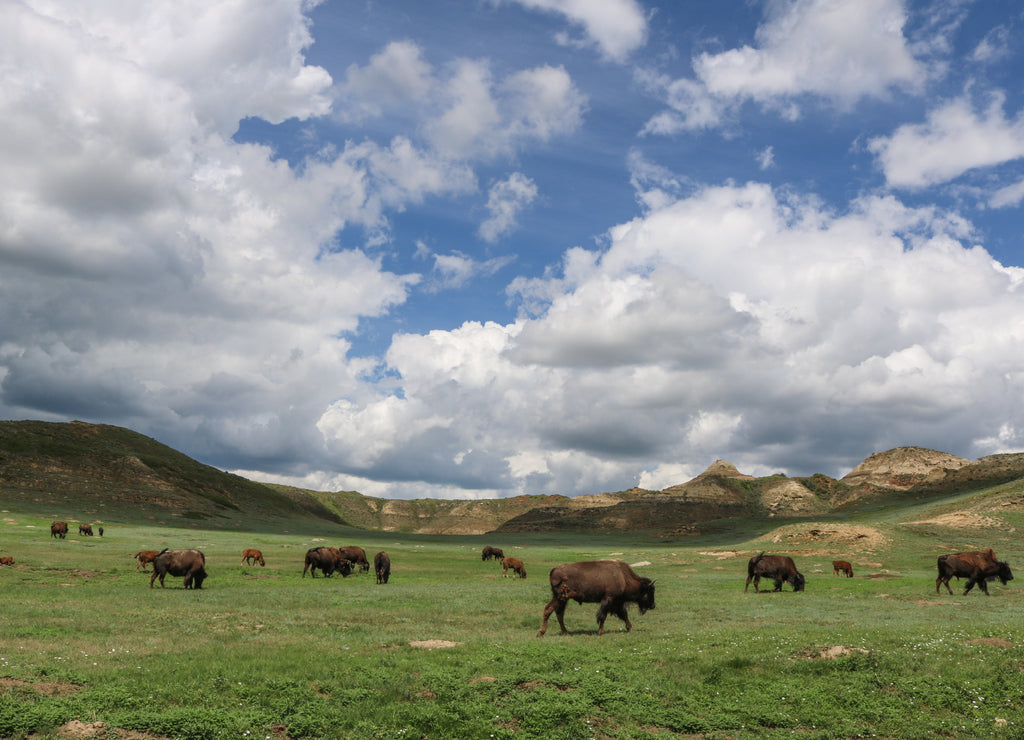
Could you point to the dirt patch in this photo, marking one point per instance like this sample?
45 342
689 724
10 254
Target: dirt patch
866 538
433 644
77 730
50 688
959 519
482 679
833 652
993 641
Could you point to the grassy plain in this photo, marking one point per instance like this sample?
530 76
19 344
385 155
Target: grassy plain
265 653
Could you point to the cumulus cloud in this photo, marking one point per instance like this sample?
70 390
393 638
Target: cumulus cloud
504 202
955 138
616 27
840 51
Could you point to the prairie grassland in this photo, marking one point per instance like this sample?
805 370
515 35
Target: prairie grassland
449 649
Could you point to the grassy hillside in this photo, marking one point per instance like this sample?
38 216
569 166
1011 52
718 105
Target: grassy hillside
95 473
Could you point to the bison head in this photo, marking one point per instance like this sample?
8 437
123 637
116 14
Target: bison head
1004 574
645 600
798 582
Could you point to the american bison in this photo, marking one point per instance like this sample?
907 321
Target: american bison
328 560
382 566
99 529
251 557
513 564
59 529
841 566
778 567
7 560
490 553
610 583
976 567
356 556
85 529
188 563
146 556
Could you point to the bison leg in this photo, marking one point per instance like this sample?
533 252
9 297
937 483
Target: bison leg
749 579
623 614
557 606
778 584
939 582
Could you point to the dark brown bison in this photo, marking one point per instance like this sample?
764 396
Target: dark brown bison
328 560
512 564
382 566
841 566
146 556
356 556
59 529
976 567
7 560
780 568
188 563
85 529
252 557
99 529
610 583
492 553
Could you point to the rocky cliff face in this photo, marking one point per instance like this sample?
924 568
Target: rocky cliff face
904 467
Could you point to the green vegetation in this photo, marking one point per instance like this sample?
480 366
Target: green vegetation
264 653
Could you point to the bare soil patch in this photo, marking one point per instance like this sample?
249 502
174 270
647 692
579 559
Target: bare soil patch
993 641
50 688
960 519
433 644
833 652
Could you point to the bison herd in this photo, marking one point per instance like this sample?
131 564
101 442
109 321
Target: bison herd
611 584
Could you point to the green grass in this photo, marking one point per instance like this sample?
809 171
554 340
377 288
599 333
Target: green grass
263 652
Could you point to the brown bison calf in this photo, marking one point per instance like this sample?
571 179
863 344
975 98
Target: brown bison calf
841 566
145 556
515 565
491 553
251 557
59 529
7 560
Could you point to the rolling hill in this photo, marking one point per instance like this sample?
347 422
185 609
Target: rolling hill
79 472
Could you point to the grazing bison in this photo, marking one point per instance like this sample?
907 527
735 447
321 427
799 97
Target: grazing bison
251 557
356 556
85 529
382 566
778 567
100 530
976 567
328 560
513 564
610 583
146 556
188 563
7 560
494 553
841 566
59 529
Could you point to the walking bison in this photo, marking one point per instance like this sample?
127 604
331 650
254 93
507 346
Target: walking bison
513 564
251 557
610 583
382 567
188 563
59 529
780 568
976 567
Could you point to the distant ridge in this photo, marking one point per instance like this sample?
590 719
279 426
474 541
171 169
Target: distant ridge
82 471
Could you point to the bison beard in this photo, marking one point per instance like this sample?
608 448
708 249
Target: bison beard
610 583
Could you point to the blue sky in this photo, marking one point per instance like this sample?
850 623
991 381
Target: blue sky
469 249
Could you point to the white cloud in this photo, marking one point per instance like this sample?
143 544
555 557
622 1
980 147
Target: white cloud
766 158
1011 195
394 77
840 51
955 139
617 27
506 199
